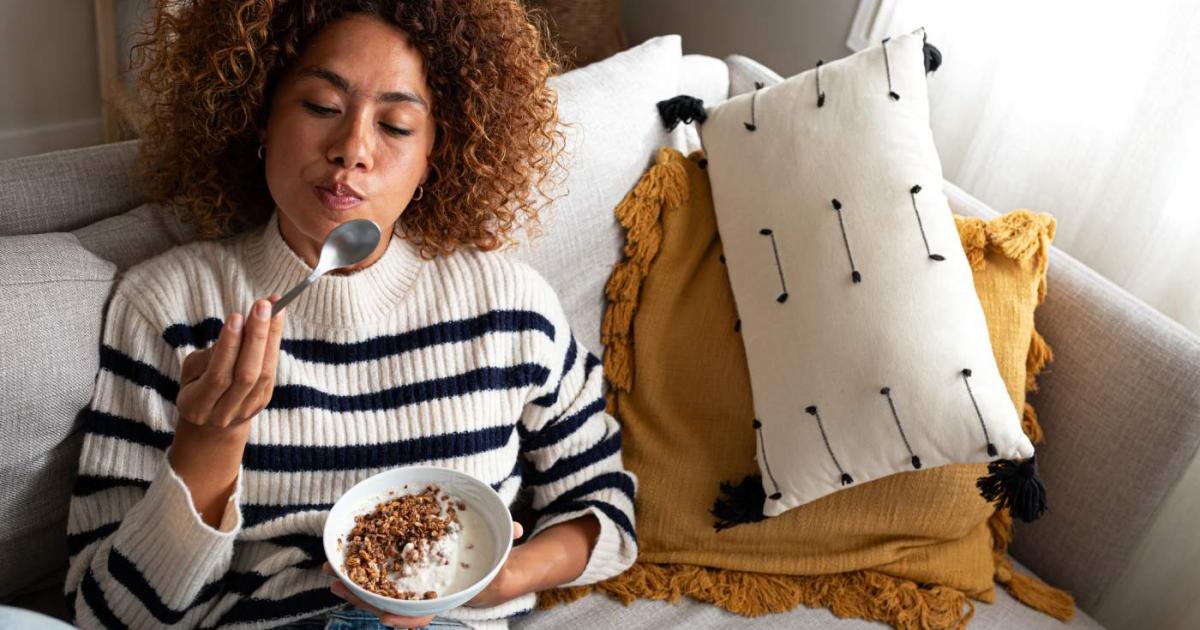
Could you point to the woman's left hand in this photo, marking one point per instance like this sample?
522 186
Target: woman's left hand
507 584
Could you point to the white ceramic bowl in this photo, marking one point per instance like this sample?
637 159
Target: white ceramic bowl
365 495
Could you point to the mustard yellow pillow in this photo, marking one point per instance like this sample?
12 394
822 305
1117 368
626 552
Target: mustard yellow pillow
917 541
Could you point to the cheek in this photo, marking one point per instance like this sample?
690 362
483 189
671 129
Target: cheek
295 134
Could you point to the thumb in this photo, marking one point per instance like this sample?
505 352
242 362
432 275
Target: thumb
518 530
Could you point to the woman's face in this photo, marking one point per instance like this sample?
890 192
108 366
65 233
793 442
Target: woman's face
349 133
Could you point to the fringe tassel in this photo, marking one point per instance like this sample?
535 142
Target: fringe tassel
1039 355
739 503
663 188
860 594
1026 589
1029 423
974 240
1010 235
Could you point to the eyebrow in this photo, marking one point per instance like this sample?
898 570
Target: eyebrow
340 82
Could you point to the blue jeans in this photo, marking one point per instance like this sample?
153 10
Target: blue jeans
357 619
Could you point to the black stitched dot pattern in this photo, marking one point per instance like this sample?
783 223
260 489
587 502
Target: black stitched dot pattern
846 479
991 448
820 94
912 193
855 276
887 66
783 294
916 461
762 447
753 124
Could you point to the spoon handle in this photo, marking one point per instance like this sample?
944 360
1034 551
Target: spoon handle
295 292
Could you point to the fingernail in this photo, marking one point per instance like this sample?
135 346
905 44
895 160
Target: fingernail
235 322
263 310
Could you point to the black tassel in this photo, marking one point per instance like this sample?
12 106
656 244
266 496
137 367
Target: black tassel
739 504
1016 486
682 108
933 57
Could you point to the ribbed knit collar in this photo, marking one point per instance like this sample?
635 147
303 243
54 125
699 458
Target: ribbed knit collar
342 301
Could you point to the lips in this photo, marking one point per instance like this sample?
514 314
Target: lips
337 197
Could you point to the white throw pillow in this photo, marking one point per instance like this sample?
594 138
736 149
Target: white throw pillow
867 346
611 121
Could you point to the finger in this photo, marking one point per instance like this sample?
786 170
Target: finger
249 364
194 365
327 568
518 530
398 621
203 394
261 394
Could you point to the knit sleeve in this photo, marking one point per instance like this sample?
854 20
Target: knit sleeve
574 448
141 557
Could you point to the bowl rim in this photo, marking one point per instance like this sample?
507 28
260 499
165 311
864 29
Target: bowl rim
329 540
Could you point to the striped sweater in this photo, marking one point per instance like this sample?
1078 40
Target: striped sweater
464 361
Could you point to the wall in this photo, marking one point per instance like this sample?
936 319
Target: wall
50 97
788 36
49 89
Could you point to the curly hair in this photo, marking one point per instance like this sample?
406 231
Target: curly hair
208 70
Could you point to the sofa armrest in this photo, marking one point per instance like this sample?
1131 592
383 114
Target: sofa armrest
1120 408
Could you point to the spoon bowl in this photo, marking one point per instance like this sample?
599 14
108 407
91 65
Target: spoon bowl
347 244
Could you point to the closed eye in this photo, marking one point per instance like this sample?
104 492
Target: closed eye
396 131
319 110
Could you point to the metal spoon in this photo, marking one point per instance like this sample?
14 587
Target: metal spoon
348 244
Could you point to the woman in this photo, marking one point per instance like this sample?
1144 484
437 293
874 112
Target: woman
219 436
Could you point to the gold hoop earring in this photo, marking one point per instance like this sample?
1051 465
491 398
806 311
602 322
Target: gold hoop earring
420 193
261 148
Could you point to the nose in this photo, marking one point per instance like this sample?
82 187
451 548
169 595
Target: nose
352 146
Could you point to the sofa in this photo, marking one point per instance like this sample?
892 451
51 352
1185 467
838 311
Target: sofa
1120 405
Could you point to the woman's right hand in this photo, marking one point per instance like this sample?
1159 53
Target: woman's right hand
226 385
221 389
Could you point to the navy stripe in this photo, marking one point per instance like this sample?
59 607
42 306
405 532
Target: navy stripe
319 351
126 572
197 335
271 457
610 480
137 372
305 603
313 546
107 424
244 583
94 596
548 400
516 472
255 514
609 510
69 600
78 542
591 362
570 465
482 379
86 485
559 430
288 458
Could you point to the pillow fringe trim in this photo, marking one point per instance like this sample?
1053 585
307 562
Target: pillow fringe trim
664 187
1010 235
869 595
